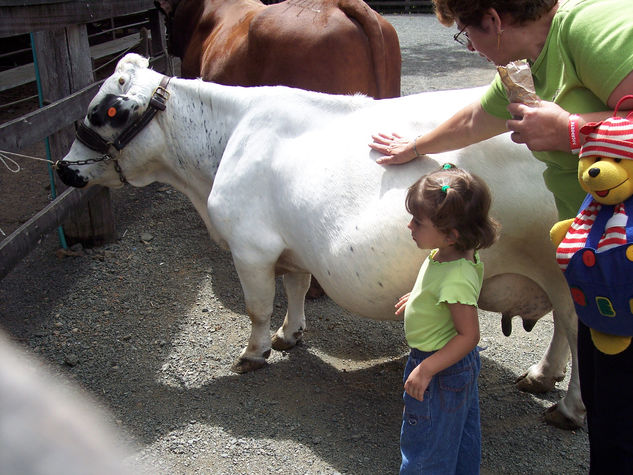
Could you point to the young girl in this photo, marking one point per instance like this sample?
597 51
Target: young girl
441 432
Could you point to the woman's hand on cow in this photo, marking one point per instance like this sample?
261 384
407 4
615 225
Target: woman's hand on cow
542 127
395 149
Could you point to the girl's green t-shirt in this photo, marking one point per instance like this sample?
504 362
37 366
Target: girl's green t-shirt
428 324
588 52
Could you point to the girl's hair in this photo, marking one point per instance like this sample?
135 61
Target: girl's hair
452 198
471 12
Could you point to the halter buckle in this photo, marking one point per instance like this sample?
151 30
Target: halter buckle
159 98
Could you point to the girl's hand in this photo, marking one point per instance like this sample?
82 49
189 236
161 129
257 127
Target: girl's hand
402 303
541 128
394 148
417 382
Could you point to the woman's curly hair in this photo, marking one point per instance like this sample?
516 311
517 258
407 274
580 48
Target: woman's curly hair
471 12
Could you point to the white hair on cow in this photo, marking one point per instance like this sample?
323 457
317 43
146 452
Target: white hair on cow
132 59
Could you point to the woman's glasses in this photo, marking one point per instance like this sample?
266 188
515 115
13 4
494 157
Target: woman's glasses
462 36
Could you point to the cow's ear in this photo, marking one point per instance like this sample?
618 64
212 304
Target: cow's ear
131 61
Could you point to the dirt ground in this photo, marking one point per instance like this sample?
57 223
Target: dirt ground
149 326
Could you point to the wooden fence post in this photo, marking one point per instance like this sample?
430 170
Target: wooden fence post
158 43
63 57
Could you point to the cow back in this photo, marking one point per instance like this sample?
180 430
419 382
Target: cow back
333 46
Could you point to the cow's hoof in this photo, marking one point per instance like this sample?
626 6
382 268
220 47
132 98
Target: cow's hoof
281 344
555 417
246 365
535 386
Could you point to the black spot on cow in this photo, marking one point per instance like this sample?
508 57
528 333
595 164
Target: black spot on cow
113 110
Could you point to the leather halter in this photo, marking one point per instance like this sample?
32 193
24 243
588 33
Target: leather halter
94 141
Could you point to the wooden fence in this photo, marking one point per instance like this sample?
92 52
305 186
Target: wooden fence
62 50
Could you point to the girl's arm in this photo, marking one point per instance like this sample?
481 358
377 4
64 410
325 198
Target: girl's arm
466 323
470 125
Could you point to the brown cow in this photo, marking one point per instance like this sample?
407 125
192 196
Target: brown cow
333 46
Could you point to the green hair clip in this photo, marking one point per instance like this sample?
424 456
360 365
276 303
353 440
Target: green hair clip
447 166
445 187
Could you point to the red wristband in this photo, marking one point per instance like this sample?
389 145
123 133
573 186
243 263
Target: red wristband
573 128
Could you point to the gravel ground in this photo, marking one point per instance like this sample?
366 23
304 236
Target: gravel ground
150 325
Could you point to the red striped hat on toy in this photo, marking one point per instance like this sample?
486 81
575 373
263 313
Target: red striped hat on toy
613 137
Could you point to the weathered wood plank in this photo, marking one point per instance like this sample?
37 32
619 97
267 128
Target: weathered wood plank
35 126
114 46
23 240
17 76
26 73
27 18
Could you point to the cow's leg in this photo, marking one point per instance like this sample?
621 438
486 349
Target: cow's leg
290 333
543 376
258 284
515 294
569 412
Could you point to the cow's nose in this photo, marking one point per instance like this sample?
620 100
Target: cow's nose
70 177
594 172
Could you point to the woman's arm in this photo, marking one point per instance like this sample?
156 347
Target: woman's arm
466 323
468 126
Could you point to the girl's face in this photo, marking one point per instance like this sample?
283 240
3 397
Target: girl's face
426 235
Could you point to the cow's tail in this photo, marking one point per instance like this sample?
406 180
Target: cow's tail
368 19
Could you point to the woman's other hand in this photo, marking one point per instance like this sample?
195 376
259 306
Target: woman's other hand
394 148
541 128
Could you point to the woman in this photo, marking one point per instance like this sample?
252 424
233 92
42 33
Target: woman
581 56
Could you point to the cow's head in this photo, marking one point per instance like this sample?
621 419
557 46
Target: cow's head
100 154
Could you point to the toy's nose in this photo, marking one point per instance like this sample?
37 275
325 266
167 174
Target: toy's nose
594 172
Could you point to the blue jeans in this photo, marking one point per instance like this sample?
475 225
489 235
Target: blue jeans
442 434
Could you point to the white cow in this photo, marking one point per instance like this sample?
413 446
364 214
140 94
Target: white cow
285 180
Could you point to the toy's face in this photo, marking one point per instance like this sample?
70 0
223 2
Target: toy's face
609 180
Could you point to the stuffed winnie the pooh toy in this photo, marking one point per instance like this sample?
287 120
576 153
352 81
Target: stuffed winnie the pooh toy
595 249
595 252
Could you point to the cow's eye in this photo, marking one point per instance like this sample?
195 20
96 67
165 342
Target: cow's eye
597 160
121 80
617 160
